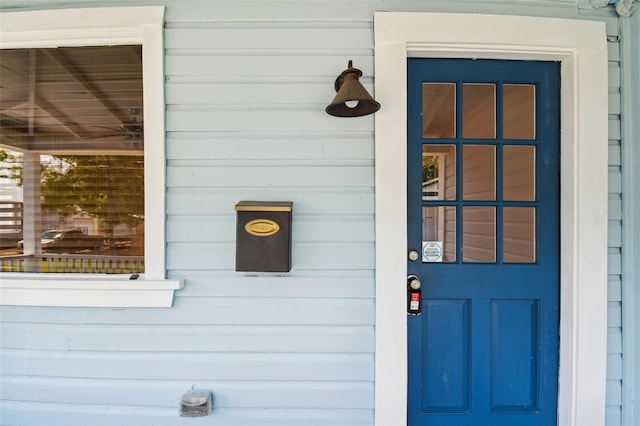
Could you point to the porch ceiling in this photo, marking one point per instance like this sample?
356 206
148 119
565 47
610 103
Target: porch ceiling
72 99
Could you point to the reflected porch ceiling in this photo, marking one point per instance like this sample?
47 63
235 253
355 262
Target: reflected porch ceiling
72 99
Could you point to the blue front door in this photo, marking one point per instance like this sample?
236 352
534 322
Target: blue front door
483 224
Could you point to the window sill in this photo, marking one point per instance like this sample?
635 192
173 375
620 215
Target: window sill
100 291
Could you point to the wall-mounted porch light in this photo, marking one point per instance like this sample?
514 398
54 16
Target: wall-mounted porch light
352 99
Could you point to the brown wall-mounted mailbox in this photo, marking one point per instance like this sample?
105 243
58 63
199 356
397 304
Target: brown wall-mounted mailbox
263 236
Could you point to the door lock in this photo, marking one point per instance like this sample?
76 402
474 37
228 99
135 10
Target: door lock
414 295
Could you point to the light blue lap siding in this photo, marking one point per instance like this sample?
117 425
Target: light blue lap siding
246 87
614 357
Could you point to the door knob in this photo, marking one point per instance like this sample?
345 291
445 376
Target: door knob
413 282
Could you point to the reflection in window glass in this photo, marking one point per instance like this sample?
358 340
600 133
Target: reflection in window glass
519 116
478 234
438 110
479 111
82 151
519 173
438 172
519 227
479 172
439 231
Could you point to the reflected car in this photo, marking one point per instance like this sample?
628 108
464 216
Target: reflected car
66 241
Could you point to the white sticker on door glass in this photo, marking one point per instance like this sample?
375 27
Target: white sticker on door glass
432 251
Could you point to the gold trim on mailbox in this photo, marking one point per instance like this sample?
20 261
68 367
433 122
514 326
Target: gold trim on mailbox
254 208
262 227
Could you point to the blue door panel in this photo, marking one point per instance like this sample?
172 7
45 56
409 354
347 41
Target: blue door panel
514 355
446 359
484 350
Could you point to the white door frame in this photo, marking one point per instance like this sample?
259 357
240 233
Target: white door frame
580 47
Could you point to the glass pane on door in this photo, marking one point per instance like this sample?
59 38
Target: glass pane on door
439 234
519 173
478 234
438 172
519 230
519 111
439 110
478 111
479 172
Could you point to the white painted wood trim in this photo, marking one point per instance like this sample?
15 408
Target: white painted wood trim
580 46
110 26
88 291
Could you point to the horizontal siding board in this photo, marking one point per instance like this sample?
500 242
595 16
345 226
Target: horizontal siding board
265 176
276 65
614 261
335 12
161 393
190 338
614 314
354 148
266 119
212 311
614 340
614 101
304 147
192 366
340 285
614 235
614 288
613 51
222 148
614 367
613 75
615 180
305 256
229 11
276 92
305 228
615 210
613 415
614 393
250 37
614 152
201 200
614 129
103 415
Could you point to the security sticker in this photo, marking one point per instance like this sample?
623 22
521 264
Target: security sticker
431 251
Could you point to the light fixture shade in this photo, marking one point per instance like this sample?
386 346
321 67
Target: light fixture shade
352 99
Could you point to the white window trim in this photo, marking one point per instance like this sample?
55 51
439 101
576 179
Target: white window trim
93 27
580 46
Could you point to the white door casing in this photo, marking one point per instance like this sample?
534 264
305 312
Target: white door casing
580 47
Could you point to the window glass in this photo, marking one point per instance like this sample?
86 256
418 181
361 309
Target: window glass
519 178
73 138
439 234
439 110
519 226
478 111
519 106
438 172
479 172
478 234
